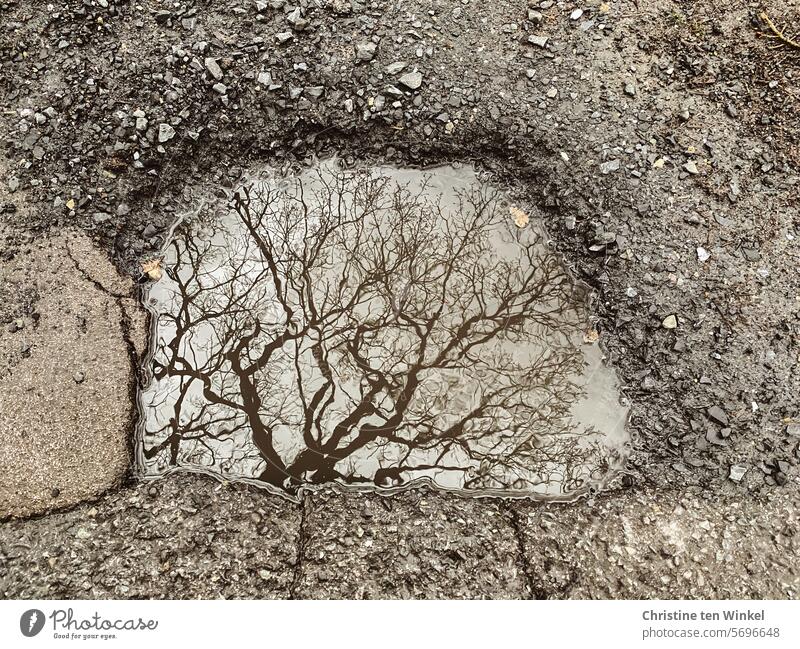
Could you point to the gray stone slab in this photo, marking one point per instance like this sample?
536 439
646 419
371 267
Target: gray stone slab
184 537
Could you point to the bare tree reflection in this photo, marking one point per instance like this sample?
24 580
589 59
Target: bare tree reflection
352 330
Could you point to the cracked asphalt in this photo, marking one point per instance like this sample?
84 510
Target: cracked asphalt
190 536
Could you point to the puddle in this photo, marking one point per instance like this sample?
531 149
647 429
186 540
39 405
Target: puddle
372 329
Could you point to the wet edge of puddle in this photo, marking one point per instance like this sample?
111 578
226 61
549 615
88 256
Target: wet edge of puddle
583 292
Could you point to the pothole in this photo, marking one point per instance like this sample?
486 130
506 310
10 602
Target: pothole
374 329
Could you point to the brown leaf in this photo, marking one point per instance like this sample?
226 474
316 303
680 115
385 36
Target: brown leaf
152 269
520 218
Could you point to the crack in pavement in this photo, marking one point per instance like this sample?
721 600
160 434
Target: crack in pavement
302 540
97 284
531 591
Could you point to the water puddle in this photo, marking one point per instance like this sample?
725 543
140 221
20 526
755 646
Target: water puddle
372 329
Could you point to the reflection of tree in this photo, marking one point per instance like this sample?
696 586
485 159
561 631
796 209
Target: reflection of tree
354 331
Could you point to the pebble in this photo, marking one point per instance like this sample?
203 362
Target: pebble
539 41
165 133
79 377
718 415
296 20
264 78
703 254
670 322
691 167
411 80
535 16
213 68
609 166
366 51
576 15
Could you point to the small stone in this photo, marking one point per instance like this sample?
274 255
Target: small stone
751 254
296 20
397 66
284 37
411 80
315 92
737 472
609 166
213 68
539 41
718 415
630 89
552 92
793 430
703 254
366 51
576 15
79 377
535 16
220 88
691 167
670 322
165 133
264 78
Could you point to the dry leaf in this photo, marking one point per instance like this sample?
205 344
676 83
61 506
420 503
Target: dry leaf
520 217
152 269
591 336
